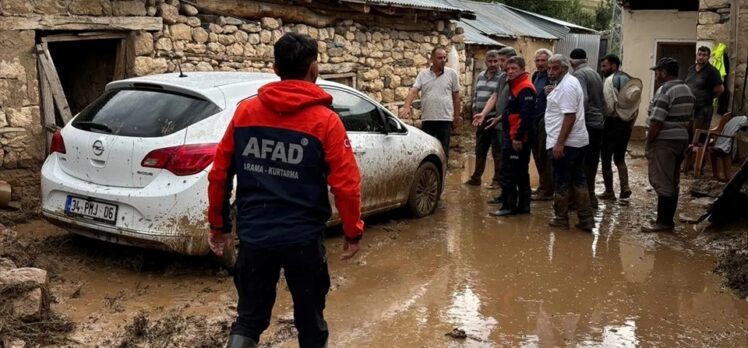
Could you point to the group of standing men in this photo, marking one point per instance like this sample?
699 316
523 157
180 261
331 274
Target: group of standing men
559 115
569 117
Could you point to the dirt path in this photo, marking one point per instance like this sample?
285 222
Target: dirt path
505 282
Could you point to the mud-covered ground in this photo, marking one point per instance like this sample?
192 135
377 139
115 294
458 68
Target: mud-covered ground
501 282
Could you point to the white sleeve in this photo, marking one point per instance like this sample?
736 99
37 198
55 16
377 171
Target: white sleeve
567 99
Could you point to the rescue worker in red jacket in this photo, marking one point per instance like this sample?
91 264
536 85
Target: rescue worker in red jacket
285 147
517 124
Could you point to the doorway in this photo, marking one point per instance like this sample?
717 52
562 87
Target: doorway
74 70
682 51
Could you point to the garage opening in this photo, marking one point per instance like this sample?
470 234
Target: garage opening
74 70
84 68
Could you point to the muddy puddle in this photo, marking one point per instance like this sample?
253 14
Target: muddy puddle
505 282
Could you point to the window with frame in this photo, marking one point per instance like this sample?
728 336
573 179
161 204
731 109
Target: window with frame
357 114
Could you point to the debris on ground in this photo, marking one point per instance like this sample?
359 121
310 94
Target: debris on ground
733 265
25 316
174 330
457 333
706 188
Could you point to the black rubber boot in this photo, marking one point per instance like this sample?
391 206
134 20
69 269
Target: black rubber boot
623 177
523 200
237 341
608 179
510 204
664 222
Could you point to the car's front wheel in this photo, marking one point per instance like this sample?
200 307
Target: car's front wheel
425 192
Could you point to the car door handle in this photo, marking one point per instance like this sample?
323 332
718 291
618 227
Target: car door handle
359 152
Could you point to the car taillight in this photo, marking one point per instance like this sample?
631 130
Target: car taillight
181 160
58 145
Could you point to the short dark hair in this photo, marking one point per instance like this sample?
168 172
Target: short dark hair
705 49
294 53
612 59
516 60
433 52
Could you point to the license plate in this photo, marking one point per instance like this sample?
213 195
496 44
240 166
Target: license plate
91 209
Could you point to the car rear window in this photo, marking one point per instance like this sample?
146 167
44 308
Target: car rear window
143 112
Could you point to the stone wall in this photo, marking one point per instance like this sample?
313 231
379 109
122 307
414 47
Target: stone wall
716 26
385 61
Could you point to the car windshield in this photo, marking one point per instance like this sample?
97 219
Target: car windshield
143 113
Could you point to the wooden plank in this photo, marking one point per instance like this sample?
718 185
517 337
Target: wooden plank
54 83
120 63
58 22
47 105
82 36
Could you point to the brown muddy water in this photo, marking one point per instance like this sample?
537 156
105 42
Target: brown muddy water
505 282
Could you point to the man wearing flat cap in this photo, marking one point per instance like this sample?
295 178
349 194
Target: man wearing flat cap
594 106
670 112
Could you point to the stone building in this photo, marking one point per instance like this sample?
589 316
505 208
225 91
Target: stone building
57 55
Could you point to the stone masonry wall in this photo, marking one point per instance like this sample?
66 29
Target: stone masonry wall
384 61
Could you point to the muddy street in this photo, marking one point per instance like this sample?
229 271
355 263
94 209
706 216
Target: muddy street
505 282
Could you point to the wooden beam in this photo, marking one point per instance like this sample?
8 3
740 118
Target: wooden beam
55 85
363 8
58 22
83 36
47 106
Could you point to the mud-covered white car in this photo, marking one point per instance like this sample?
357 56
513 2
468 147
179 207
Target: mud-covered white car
132 167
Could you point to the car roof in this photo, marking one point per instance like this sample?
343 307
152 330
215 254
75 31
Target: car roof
235 86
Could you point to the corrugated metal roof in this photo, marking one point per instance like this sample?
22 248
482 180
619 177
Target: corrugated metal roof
439 5
552 25
495 19
475 37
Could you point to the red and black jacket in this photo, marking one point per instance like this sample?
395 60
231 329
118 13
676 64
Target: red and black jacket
520 110
285 147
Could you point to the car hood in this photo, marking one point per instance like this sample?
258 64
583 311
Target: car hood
291 96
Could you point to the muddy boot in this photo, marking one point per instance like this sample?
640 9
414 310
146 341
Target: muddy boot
623 177
584 210
608 179
560 210
664 222
510 204
237 341
480 166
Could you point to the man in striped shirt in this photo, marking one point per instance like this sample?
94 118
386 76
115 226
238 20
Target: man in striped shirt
670 112
485 85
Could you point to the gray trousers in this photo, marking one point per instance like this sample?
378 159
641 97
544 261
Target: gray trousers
665 158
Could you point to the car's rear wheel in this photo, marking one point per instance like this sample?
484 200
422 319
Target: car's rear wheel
425 192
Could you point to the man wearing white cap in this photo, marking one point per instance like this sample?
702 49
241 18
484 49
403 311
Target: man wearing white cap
622 96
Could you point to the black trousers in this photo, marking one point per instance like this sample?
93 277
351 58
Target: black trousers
441 130
515 173
615 142
256 278
592 158
486 139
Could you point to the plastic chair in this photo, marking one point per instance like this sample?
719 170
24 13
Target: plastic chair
700 148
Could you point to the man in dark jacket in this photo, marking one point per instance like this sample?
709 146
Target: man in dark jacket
542 160
285 147
517 123
594 105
